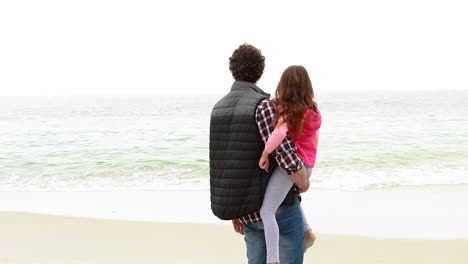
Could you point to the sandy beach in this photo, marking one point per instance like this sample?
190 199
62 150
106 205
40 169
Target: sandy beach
418 224
39 239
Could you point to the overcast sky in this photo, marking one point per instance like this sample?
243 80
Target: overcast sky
119 47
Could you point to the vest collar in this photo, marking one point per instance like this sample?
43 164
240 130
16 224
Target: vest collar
241 85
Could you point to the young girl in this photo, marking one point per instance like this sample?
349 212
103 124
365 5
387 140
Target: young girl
297 116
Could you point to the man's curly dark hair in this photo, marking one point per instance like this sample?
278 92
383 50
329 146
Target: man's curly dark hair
247 63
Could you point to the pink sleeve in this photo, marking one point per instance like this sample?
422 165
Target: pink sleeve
277 136
316 138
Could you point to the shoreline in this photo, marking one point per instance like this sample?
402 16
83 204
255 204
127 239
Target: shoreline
418 212
396 187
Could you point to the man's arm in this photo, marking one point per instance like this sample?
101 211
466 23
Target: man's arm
301 180
285 154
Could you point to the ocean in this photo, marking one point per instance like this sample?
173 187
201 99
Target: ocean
368 140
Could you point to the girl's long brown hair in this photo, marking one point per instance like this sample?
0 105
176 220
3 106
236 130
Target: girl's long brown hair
294 95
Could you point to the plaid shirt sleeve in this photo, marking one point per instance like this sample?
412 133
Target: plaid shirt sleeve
285 153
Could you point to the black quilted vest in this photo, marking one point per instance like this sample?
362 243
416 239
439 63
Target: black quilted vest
237 184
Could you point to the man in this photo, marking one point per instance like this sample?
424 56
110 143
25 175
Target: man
241 122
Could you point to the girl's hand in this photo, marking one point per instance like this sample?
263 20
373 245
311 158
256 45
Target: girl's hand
264 163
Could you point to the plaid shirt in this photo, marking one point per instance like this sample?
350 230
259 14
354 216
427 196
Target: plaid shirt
285 153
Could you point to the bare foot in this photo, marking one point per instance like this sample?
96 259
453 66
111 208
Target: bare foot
309 239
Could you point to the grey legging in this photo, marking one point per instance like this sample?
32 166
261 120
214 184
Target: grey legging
278 187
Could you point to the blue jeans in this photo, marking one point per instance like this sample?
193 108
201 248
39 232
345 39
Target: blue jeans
291 242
